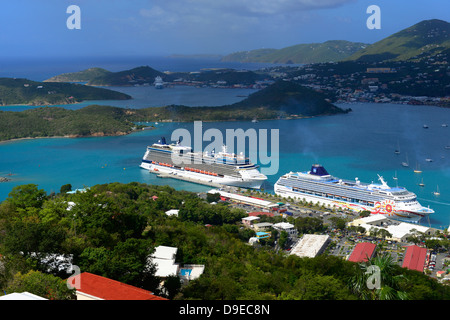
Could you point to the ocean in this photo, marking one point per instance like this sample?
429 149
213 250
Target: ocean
358 144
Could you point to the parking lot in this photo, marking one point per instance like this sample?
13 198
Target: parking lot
343 241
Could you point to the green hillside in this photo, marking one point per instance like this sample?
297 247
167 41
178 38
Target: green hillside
81 76
429 36
281 100
256 55
27 92
57 121
334 50
139 75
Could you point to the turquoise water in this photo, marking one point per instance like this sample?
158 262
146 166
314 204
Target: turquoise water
359 144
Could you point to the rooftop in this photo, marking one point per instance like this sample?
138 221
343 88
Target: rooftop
107 289
362 252
310 245
415 258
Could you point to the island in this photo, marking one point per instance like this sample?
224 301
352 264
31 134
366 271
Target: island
15 91
281 100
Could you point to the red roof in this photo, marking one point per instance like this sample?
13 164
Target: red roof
415 258
270 214
362 252
108 289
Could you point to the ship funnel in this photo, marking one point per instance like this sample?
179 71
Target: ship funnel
318 170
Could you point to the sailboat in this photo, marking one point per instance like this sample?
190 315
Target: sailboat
397 151
422 184
395 176
417 170
437 193
406 164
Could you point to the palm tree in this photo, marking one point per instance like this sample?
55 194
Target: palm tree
387 282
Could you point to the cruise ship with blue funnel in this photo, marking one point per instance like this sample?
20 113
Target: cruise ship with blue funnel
318 186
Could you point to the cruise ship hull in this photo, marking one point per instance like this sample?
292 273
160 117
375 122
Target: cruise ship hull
385 207
168 162
201 178
318 187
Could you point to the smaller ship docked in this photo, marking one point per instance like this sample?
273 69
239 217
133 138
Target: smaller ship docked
318 186
213 169
159 83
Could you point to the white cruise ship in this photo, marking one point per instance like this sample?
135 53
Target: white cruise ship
159 83
215 169
317 185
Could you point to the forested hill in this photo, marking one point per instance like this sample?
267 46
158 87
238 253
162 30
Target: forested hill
333 50
81 76
426 38
139 75
27 92
281 100
56 121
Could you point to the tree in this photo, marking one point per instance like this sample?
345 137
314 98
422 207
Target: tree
338 223
66 188
213 197
27 196
384 271
41 284
127 262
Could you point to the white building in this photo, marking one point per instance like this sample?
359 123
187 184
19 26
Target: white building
173 212
248 221
399 230
289 228
311 245
164 259
259 203
21 296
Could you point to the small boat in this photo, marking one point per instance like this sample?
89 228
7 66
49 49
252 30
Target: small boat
406 163
397 151
447 147
425 126
417 170
437 193
444 125
429 160
422 184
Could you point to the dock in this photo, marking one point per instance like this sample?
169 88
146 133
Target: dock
176 176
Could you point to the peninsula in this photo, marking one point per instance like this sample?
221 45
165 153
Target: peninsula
14 91
281 100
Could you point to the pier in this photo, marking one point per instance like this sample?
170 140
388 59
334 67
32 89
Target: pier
176 176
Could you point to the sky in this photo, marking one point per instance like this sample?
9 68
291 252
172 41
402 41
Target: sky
165 27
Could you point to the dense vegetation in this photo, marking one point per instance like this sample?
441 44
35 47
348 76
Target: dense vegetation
146 75
27 92
281 100
81 76
56 121
111 229
431 36
334 50
139 75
